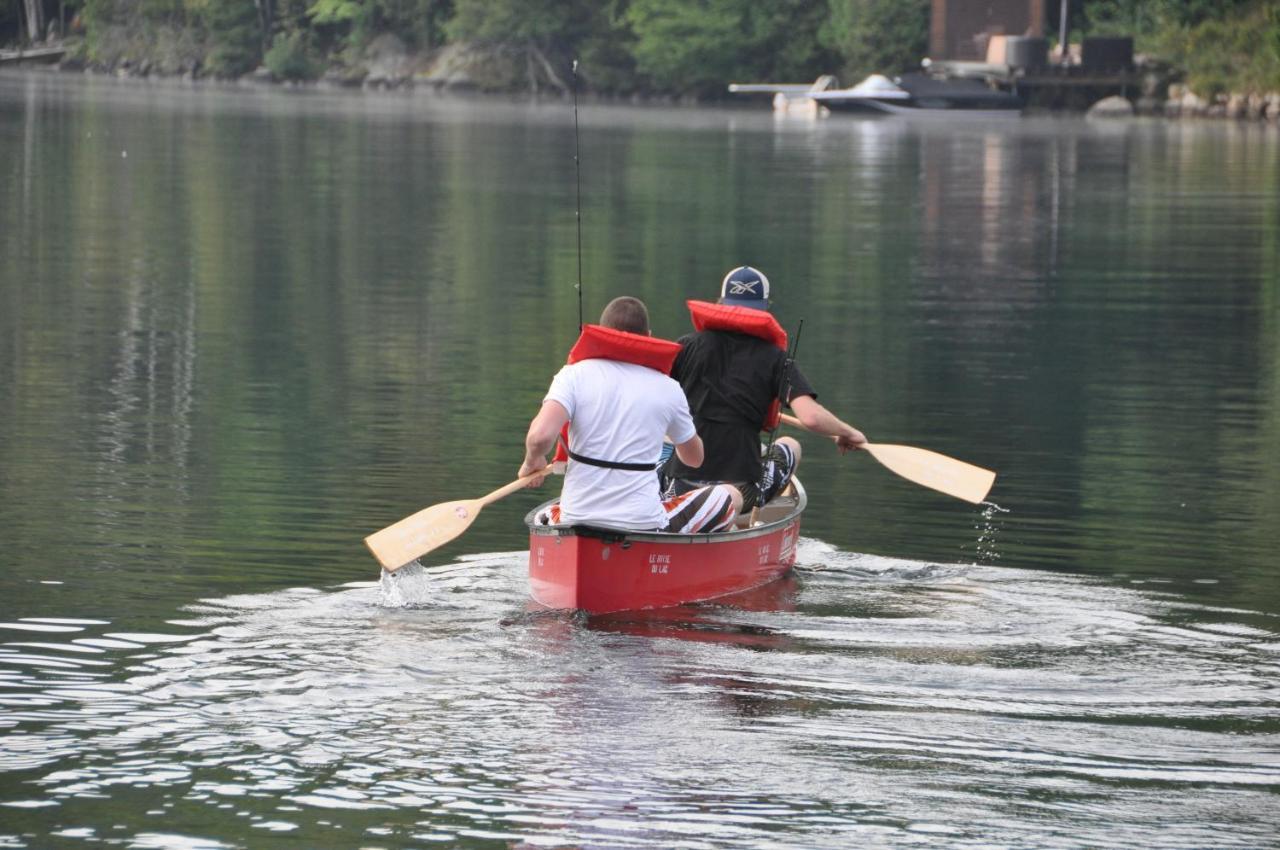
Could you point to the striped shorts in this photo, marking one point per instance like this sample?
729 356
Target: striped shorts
776 470
705 509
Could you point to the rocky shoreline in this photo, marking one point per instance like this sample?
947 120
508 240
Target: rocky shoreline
1183 103
1162 94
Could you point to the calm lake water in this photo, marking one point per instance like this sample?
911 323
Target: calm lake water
241 329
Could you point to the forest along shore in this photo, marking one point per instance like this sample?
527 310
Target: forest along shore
1158 97
1187 58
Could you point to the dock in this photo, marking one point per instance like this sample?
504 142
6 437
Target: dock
32 55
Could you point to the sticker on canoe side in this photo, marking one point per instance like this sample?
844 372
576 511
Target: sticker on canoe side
659 564
788 548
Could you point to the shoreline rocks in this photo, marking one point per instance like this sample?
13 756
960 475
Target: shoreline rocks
1182 102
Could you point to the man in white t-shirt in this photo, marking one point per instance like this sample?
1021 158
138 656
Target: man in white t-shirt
620 413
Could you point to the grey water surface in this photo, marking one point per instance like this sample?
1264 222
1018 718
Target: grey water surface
242 328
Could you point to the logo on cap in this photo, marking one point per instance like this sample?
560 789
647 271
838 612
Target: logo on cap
745 287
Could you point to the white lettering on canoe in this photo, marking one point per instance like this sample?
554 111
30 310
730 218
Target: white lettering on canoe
788 544
659 564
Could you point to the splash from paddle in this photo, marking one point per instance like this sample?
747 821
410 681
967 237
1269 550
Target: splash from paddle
928 469
430 528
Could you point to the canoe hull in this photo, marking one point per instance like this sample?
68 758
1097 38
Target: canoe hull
602 571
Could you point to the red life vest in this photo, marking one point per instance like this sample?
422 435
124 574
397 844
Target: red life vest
599 342
744 320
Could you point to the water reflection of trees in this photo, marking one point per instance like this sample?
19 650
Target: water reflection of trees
206 281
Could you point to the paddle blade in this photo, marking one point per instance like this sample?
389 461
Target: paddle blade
936 471
415 536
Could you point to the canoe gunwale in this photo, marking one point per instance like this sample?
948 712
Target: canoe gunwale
627 537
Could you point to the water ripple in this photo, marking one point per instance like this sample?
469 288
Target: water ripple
439 705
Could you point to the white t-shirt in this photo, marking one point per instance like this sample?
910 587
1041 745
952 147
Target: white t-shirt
618 412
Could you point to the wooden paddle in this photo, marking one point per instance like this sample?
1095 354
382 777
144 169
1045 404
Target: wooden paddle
929 469
430 528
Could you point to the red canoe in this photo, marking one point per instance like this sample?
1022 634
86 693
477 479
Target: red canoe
600 570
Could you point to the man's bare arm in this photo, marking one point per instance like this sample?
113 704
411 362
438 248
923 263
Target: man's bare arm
818 419
541 438
691 452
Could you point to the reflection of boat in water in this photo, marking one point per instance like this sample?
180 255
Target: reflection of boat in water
905 95
919 93
603 570
718 621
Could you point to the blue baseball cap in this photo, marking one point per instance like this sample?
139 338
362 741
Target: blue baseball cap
745 287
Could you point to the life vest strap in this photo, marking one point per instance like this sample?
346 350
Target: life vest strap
611 464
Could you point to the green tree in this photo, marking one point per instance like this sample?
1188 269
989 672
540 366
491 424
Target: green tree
235 35
878 36
291 58
505 21
356 22
1115 17
421 22
607 50
698 48
542 35
352 18
1189 13
1236 53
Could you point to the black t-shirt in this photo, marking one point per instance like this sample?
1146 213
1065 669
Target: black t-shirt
730 380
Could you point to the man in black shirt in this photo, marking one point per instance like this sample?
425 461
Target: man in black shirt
731 376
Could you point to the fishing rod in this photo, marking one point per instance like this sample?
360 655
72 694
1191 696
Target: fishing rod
784 385
784 390
577 177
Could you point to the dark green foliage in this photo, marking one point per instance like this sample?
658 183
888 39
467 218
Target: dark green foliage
292 58
1272 35
1232 53
878 36
235 37
133 13
1222 45
1113 17
607 52
99 13
550 34
700 47
683 47
351 19
544 22
1190 13
421 22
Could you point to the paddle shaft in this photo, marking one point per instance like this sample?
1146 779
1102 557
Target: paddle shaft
507 489
414 536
